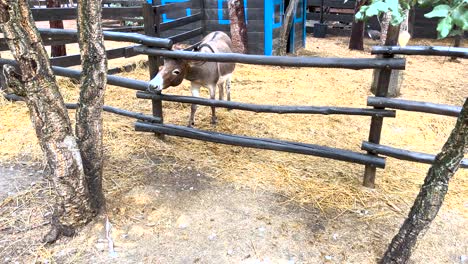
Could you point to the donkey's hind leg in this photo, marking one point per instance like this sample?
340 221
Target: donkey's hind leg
196 93
228 89
221 91
212 89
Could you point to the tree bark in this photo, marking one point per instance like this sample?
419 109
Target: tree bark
356 42
432 193
238 26
56 50
49 116
286 27
93 82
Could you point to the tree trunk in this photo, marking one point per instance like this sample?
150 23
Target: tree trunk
49 117
384 27
56 50
356 42
93 82
238 27
286 27
432 193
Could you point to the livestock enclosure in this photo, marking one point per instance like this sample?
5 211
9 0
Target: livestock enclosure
156 47
139 171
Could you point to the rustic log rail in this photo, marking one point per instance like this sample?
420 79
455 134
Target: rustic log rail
109 35
262 143
106 108
323 110
404 154
422 51
415 106
75 74
346 63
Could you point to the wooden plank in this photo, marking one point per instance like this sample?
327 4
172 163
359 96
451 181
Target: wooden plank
346 18
422 51
322 110
72 60
253 13
187 35
108 35
404 154
333 3
168 7
347 63
210 4
152 20
415 106
75 74
180 22
262 143
47 14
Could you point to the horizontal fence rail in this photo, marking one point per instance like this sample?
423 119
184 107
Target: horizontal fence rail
404 154
109 35
422 50
261 143
75 74
346 63
106 108
324 110
415 106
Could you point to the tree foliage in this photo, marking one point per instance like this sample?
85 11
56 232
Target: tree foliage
452 14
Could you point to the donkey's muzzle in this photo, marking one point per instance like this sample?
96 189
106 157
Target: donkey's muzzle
155 85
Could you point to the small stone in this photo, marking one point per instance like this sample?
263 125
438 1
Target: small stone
100 246
230 252
335 236
328 257
183 221
198 175
464 259
191 188
261 229
212 237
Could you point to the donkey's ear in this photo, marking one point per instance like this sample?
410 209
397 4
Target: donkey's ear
193 63
180 46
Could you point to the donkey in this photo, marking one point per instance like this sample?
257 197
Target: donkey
206 74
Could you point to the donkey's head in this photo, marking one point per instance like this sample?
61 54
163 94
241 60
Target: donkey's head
171 74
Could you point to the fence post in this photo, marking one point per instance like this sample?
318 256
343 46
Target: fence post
383 84
152 19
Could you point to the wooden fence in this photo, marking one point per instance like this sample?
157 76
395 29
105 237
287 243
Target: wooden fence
154 47
371 159
173 30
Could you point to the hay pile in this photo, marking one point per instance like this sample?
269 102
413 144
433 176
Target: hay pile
333 186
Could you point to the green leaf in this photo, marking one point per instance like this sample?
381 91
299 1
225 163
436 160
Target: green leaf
444 27
460 17
375 8
439 11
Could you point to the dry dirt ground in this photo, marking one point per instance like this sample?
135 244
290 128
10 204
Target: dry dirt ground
185 201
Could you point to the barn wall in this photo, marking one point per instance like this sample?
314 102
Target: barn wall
218 19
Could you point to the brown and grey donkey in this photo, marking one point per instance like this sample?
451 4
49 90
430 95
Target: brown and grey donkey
199 73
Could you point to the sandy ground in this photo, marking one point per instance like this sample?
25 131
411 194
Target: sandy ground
184 201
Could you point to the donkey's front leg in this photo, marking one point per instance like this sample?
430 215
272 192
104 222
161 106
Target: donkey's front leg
196 93
212 89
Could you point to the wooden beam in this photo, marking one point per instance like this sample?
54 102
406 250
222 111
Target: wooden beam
262 143
404 154
415 106
346 63
323 110
422 51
